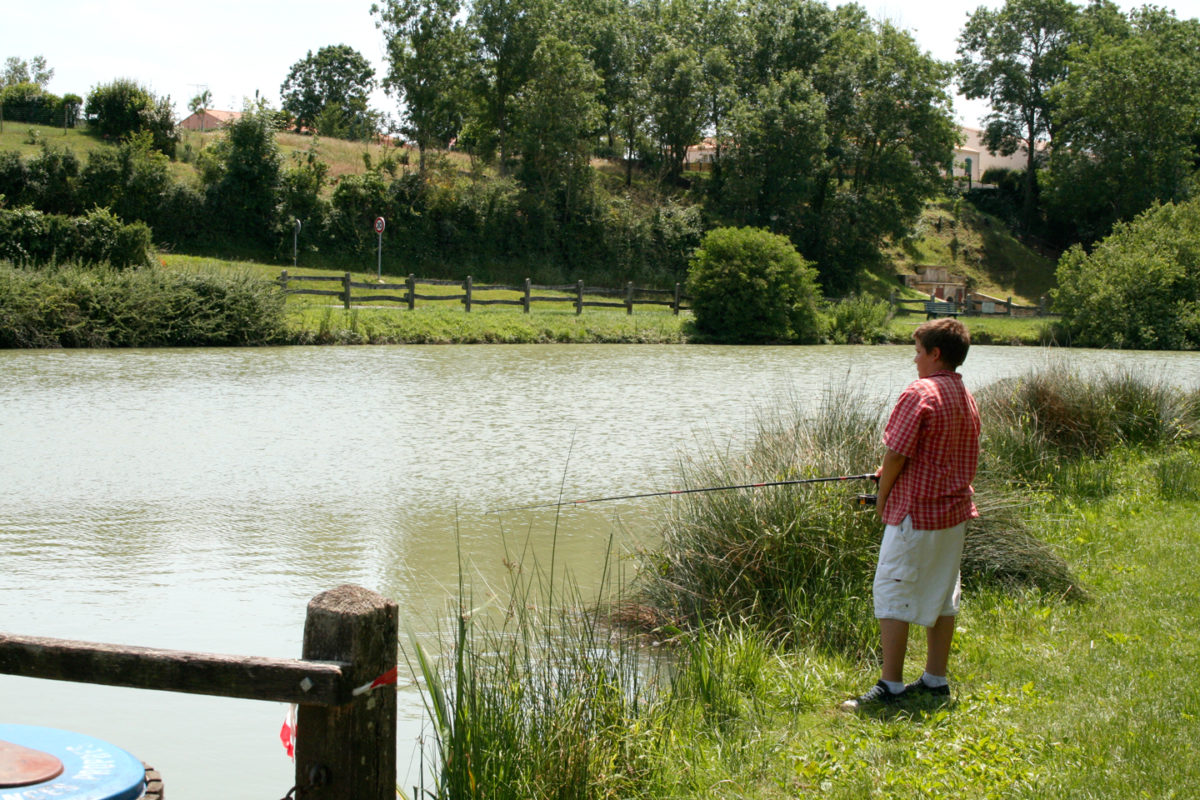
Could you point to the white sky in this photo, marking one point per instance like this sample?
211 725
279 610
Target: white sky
237 47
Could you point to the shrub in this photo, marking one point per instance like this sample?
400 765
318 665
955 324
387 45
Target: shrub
31 238
858 320
102 307
750 285
123 108
1140 287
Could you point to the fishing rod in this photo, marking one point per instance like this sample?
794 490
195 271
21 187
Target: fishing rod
671 492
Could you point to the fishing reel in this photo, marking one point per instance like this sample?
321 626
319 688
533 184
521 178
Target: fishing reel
866 500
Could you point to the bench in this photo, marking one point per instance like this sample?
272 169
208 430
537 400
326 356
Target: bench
934 308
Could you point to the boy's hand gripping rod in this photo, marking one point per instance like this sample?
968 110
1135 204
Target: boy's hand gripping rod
863 477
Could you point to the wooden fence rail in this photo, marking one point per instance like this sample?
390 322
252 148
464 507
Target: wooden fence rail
345 745
976 307
573 293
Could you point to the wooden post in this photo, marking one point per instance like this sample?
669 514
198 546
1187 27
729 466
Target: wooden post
676 299
1041 306
1010 307
346 287
629 298
578 298
283 280
348 752
525 302
411 285
467 299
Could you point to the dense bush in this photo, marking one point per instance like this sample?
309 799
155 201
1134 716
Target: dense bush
90 307
123 108
857 320
31 238
749 285
1140 287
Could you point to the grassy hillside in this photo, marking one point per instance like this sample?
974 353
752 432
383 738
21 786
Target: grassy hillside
950 233
953 233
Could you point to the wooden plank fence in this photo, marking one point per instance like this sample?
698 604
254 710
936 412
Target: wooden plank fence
574 293
971 308
345 745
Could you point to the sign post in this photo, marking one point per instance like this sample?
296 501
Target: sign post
379 226
295 240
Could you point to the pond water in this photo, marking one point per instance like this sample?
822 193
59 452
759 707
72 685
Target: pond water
197 499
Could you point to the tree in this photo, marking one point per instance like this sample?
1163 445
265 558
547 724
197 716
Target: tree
426 51
18 70
1128 114
1140 287
199 104
1012 57
676 106
242 173
554 119
123 108
841 150
333 87
504 37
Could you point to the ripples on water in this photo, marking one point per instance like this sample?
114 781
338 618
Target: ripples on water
196 499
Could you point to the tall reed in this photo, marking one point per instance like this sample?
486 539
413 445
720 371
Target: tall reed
537 696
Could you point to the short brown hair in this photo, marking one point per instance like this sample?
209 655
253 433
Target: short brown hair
947 334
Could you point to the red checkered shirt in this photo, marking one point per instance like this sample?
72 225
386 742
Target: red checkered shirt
935 426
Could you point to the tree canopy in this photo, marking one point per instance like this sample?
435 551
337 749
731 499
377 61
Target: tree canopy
328 93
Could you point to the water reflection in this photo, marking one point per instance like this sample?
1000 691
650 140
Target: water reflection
197 499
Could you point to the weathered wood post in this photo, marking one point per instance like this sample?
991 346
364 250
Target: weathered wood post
578 298
676 304
1010 313
346 290
283 280
411 286
525 300
348 752
629 298
467 287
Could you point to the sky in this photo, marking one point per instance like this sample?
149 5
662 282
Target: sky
236 49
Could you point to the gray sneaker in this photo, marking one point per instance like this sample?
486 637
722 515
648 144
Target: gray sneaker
919 688
877 695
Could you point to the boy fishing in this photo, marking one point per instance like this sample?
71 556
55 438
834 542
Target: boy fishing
932 441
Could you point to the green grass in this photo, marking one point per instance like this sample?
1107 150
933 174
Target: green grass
1051 698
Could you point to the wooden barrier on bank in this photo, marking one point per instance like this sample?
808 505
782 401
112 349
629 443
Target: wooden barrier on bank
572 293
973 307
345 745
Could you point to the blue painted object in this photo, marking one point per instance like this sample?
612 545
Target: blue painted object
92 769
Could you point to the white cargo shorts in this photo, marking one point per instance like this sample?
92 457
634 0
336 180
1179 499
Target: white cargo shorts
917 579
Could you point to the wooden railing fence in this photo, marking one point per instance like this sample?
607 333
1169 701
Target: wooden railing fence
574 293
975 307
345 745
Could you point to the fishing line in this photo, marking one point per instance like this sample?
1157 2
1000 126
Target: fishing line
672 492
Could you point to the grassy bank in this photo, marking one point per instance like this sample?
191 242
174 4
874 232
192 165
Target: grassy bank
1084 691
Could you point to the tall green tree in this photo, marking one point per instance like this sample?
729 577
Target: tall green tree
241 174
18 70
329 92
504 38
1128 114
427 60
555 118
1012 57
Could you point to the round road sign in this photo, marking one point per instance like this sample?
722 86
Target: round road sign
379 223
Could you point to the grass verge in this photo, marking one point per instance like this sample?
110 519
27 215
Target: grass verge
1088 699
